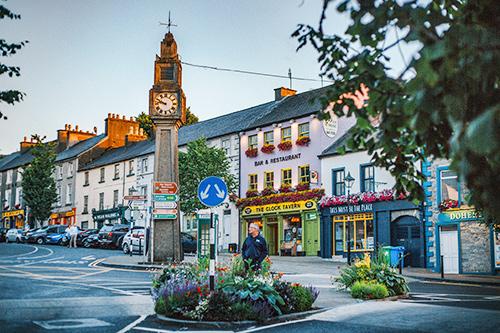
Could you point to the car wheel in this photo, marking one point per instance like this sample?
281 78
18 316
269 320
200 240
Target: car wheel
86 244
6 240
40 241
125 248
18 241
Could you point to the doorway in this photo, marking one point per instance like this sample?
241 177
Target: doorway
405 231
272 235
448 238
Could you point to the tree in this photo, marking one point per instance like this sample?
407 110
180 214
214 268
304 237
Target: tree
444 104
8 49
147 125
39 186
199 162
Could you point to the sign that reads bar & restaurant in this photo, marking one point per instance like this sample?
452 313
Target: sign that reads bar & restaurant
279 207
277 159
351 209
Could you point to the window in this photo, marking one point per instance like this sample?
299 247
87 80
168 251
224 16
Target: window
86 179
252 141
360 229
286 134
304 174
101 201
144 190
304 130
367 178
69 194
144 165
338 185
286 176
85 204
19 175
226 146
102 176
117 172
131 167
252 182
59 172
269 179
70 169
167 73
269 138
85 225
58 192
115 198
450 186
20 196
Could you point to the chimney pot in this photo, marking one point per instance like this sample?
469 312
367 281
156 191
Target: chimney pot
69 127
95 129
25 138
132 118
124 118
109 115
282 92
76 128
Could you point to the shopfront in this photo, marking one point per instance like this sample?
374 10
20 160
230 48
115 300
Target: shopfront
368 225
109 216
290 228
64 218
465 244
13 219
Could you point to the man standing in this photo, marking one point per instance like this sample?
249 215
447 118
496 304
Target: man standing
73 231
254 247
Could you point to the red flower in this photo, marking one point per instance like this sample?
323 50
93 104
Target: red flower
285 145
252 152
303 141
267 149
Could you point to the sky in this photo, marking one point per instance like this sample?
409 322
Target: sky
88 58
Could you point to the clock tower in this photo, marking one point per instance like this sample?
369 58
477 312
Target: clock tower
167 108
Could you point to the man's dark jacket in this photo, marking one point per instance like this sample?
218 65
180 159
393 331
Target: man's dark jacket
254 248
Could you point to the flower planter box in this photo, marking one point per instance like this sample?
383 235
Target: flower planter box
285 145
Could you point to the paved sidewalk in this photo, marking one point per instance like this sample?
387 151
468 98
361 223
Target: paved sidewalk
424 274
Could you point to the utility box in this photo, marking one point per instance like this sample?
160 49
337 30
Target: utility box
203 221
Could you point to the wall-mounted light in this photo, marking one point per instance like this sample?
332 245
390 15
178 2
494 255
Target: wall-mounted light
275 125
242 133
259 129
292 121
313 116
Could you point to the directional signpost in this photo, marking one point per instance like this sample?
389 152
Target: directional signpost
212 191
165 200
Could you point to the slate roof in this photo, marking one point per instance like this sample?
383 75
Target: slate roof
18 159
292 107
79 148
7 159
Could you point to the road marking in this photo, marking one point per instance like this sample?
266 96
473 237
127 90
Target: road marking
148 329
71 323
39 262
256 329
88 258
132 324
24 254
38 257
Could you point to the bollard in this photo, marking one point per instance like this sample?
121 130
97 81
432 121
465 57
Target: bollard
442 267
212 253
400 263
140 248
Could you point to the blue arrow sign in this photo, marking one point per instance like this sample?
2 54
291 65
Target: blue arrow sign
212 191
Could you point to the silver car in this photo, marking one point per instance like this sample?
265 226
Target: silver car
134 241
14 235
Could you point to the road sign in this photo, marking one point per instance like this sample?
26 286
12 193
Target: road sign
135 197
164 211
212 191
164 188
164 216
165 197
165 204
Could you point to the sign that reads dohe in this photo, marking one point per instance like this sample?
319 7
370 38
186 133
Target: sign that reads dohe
469 214
164 188
279 207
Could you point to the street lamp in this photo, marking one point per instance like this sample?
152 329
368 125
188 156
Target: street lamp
348 181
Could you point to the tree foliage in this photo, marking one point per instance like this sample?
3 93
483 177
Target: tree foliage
191 118
199 162
444 103
39 186
8 49
147 125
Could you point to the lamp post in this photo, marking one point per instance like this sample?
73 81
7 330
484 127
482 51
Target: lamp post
348 181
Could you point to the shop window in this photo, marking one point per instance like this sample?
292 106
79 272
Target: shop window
338 184
269 179
367 178
450 186
101 201
360 229
252 142
304 174
252 182
117 172
286 134
304 130
269 138
102 175
286 176
292 235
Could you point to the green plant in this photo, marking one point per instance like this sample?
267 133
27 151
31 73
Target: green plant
369 290
301 298
241 311
160 306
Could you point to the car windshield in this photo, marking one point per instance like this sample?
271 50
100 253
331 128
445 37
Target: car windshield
106 228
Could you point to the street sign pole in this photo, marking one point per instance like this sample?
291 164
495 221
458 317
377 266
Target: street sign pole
212 251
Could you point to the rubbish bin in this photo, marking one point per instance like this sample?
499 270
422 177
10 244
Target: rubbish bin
395 254
232 247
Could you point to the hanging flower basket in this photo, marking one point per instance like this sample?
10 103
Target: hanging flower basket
267 149
448 204
291 196
252 152
303 186
303 141
285 145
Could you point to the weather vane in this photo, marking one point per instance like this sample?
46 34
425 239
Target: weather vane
169 24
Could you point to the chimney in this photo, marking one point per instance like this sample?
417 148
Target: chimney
25 144
282 92
67 137
121 131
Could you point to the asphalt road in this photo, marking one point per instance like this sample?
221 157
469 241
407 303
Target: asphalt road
52 288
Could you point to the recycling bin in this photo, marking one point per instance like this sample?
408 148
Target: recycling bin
395 254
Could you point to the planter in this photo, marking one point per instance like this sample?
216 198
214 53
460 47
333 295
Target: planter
267 149
285 145
252 152
303 141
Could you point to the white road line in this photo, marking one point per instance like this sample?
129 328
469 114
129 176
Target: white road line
38 257
38 262
256 329
132 324
158 330
24 254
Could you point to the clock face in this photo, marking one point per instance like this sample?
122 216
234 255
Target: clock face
165 104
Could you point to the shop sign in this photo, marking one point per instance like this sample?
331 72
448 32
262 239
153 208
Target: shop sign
458 215
278 159
62 214
351 209
106 216
13 213
497 245
279 207
330 126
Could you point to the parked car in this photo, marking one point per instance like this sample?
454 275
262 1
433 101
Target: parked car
55 238
14 235
82 235
111 235
39 236
134 241
91 241
189 243
3 232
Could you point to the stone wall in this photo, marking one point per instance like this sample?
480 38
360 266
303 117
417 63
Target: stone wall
475 247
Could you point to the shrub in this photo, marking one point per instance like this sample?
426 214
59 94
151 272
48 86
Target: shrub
302 299
369 290
241 311
160 307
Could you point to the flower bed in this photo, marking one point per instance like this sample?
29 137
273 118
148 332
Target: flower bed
314 194
372 279
357 198
181 291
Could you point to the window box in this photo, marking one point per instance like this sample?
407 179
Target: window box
252 152
116 178
303 141
448 204
285 145
131 174
85 185
252 193
286 188
267 149
304 186
101 181
268 191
